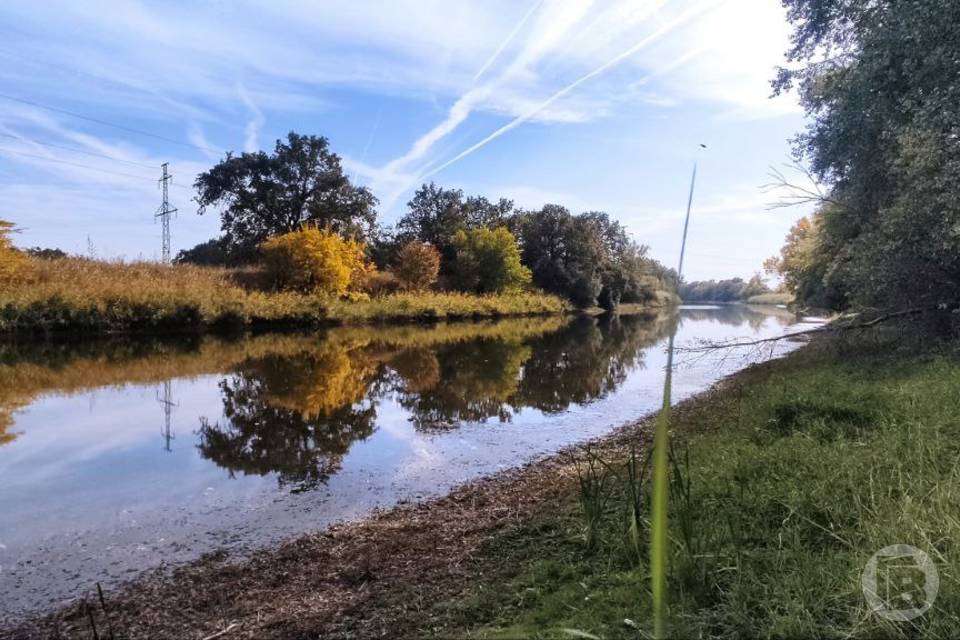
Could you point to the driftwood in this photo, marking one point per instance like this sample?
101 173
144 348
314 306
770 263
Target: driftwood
224 632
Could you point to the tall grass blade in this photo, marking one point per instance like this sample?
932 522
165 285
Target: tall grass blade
661 478
661 492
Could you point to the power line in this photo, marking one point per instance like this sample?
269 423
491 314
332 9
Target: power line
108 124
81 165
78 150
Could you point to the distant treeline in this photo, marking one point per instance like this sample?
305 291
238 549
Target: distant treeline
732 290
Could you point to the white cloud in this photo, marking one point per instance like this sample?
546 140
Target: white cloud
254 124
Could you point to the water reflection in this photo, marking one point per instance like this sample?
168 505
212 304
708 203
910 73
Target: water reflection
96 484
738 315
296 414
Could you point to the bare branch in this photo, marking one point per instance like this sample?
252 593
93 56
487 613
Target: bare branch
810 192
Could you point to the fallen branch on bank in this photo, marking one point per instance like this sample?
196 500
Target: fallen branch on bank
835 327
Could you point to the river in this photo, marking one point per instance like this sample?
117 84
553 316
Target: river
121 456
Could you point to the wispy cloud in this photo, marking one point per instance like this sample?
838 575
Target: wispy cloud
516 122
254 124
227 78
196 137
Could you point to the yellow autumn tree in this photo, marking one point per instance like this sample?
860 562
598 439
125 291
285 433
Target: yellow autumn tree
12 262
315 260
798 262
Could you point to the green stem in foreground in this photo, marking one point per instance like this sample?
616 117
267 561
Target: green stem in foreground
658 540
661 491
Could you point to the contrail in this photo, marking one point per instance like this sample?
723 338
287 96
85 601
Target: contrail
464 106
513 34
516 122
373 132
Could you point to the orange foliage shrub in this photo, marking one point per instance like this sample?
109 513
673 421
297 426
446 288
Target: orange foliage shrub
417 266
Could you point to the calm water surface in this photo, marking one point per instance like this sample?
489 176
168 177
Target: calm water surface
120 457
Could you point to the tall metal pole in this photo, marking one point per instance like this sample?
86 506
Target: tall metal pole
164 212
686 223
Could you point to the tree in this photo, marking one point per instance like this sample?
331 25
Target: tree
488 261
312 260
588 258
803 264
878 79
731 290
417 265
213 252
435 215
46 254
301 182
12 262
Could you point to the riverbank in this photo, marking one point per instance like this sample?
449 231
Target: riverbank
78 295
790 475
81 296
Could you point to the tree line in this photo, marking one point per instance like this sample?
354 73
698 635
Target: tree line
732 290
294 208
878 79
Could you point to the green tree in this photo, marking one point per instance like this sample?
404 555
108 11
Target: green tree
213 252
878 80
731 290
488 261
588 258
302 181
435 215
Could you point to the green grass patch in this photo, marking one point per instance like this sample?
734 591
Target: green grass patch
784 485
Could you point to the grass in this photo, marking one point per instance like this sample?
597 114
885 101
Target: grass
81 295
783 486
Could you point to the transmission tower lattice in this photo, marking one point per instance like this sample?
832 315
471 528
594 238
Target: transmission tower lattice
164 211
168 404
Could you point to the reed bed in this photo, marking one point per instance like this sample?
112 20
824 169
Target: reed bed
83 295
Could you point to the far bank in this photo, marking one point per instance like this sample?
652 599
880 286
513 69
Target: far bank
82 296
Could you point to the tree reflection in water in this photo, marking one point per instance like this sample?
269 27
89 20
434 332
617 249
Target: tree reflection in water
296 415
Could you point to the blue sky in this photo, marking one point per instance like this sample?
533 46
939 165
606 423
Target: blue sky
594 104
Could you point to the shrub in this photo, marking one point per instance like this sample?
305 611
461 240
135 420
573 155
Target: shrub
488 260
314 260
381 283
12 262
417 265
210 253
